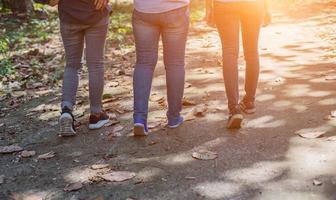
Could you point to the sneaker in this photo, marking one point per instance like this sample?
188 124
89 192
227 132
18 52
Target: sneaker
140 128
235 119
177 124
66 123
98 120
247 107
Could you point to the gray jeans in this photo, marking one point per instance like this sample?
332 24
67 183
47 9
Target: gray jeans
173 27
229 18
74 36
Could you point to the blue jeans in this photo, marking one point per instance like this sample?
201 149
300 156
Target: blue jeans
173 27
231 18
74 36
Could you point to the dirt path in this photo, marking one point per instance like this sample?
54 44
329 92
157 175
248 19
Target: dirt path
264 160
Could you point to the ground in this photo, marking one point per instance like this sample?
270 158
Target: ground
266 159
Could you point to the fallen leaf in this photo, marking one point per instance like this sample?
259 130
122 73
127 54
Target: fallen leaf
156 98
48 155
333 114
2 179
107 96
190 178
187 102
118 176
204 155
118 128
190 116
10 149
200 110
331 138
73 187
113 84
330 78
99 166
312 134
187 85
317 183
27 154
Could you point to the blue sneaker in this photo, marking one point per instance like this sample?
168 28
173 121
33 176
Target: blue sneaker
140 128
175 123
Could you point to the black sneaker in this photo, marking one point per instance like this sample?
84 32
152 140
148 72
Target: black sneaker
247 107
98 120
235 119
66 123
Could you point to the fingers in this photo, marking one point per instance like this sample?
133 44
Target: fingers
100 4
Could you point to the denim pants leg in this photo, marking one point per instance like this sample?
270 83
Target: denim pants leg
173 27
74 36
174 36
229 18
147 36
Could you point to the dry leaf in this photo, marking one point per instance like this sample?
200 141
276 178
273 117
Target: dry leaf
113 84
48 155
204 155
190 116
317 183
27 154
200 110
331 139
10 149
99 166
156 98
312 134
118 128
330 78
73 187
187 102
118 176
187 85
333 114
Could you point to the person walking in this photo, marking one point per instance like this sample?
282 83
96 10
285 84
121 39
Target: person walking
151 20
82 22
231 16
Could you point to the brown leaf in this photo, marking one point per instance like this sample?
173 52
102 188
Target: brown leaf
200 110
156 98
187 85
46 156
73 187
118 176
99 166
190 116
10 149
27 154
204 155
312 134
187 102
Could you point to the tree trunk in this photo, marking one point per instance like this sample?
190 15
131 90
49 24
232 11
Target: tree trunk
18 6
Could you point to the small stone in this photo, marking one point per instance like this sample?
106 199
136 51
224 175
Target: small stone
27 154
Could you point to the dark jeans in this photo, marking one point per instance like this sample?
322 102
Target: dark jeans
173 27
229 18
74 36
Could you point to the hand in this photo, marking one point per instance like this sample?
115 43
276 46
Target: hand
100 4
53 2
267 19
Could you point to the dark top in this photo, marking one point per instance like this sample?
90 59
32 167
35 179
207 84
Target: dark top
79 11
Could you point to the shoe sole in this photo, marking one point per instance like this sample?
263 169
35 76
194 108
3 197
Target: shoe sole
235 122
175 126
139 130
66 129
99 124
248 111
